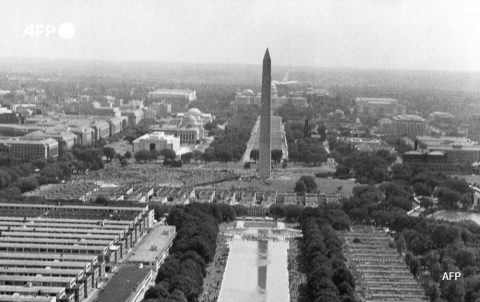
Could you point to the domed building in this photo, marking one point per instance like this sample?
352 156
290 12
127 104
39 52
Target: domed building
195 112
187 126
189 121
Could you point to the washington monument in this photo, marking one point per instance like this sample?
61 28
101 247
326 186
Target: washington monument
265 144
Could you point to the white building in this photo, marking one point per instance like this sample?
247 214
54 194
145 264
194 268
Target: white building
156 141
170 94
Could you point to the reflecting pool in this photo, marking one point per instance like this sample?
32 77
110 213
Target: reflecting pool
256 271
457 216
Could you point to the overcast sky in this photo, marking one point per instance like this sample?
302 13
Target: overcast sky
416 34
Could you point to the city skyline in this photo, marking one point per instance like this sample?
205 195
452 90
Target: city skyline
431 35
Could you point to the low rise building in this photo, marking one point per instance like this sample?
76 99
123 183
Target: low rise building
173 94
403 125
156 141
372 109
29 147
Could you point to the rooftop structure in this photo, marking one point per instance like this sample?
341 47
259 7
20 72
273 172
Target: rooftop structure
154 248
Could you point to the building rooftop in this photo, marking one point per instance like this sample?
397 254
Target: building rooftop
171 91
154 243
409 117
54 257
157 136
123 284
21 298
376 100
32 289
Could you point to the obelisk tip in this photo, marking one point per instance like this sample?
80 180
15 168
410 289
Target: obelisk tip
267 54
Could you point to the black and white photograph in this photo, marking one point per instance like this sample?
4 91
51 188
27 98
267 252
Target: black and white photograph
239 150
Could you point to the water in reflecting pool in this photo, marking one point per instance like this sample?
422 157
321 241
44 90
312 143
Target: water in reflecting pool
457 216
256 271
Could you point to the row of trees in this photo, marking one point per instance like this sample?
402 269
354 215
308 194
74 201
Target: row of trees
276 155
153 155
230 144
180 278
328 278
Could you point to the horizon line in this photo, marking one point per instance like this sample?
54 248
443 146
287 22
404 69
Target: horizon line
239 64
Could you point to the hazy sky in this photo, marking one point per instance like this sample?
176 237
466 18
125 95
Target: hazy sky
416 34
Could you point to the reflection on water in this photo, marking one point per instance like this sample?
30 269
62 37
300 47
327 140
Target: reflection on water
256 271
262 264
457 216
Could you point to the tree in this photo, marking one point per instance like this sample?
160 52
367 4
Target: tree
400 243
168 154
276 155
177 163
223 155
157 291
453 291
309 182
26 184
186 157
449 198
209 154
101 200
154 154
123 162
379 175
209 126
414 266
142 155
128 155
254 154
109 153
426 203
300 187
197 155
342 172
277 210
401 172
421 189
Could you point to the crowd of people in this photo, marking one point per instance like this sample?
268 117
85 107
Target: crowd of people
295 275
155 174
215 271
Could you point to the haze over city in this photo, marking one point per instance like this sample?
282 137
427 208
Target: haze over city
389 34
239 151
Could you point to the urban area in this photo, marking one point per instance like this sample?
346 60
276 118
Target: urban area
172 182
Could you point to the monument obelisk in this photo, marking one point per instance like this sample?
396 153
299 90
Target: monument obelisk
266 104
